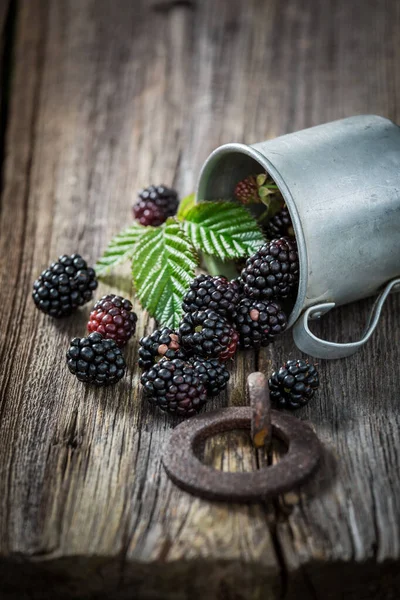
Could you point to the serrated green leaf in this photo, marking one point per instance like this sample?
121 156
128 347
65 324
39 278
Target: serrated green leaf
223 229
163 267
185 205
120 248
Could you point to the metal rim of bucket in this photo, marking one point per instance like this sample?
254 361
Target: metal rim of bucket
287 196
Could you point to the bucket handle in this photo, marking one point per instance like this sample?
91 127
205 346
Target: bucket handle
309 343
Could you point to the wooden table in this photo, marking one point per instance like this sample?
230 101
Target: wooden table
99 99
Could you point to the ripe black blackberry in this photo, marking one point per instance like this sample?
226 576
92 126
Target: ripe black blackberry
64 285
162 343
258 323
208 334
280 225
96 360
213 374
175 387
112 317
294 384
216 293
155 205
273 271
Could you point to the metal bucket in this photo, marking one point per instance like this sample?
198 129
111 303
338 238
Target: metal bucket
341 184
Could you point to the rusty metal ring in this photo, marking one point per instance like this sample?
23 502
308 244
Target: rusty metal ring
190 474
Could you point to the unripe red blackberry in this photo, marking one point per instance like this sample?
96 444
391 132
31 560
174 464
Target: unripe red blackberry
273 271
112 318
216 293
258 323
162 343
246 191
175 386
155 205
64 285
294 384
208 334
96 360
280 225
254 188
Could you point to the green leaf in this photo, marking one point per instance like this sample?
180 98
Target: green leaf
223 229
120 248
264 191
185 205
163 267
262 178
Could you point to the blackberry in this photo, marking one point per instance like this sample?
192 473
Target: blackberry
258 323
64 285
162 343
246 191
273 271
254 188
294 384
213 374
175 387
216 293
155 205
112 317
280 225
96 360
208 334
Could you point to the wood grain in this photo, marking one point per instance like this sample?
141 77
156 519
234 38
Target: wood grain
106 98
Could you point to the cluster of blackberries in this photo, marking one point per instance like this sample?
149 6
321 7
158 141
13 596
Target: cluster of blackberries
180 368
69 283
97 358
269 277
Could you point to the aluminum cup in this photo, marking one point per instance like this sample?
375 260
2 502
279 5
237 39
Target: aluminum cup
341 184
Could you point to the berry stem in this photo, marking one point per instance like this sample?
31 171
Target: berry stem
263 216
272 208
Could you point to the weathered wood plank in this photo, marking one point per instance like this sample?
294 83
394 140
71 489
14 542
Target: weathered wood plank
104 101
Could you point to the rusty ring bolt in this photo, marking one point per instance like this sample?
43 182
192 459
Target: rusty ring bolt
190 474
257 391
